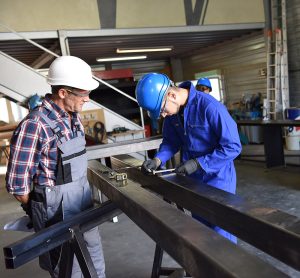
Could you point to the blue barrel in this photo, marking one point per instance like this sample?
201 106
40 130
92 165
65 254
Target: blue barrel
293 113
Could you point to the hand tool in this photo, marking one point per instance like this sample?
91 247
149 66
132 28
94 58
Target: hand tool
162 171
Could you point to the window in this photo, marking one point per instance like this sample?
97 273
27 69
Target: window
215 79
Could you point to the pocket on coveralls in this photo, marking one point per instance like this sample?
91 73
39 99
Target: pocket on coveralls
39 215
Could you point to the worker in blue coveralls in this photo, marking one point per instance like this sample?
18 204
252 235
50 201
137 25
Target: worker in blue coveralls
204 85
199 126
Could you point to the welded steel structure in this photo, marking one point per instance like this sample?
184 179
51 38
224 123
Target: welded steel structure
273 231
68 233
198 249
201 251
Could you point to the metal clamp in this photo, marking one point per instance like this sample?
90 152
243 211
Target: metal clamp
119 177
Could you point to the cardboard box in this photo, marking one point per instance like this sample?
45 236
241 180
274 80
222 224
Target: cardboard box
94 127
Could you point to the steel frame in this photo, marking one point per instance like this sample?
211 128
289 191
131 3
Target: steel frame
273 231
200 250
68 232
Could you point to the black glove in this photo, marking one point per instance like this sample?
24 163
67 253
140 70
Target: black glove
150 165
27 208
187 167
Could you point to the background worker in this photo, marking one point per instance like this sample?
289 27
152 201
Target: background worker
204 85
199 126
47 169
33 102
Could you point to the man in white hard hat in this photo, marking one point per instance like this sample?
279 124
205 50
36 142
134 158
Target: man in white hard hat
47 169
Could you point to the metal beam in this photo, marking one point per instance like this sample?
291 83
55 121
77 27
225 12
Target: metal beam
192 15
273 231
45 57
200 250
164 30
133 31
107 10
126 147
30 247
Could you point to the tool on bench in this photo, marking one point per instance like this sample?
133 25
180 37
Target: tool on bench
117 176
163 171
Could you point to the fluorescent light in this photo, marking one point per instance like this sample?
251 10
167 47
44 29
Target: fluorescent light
144 49
124 58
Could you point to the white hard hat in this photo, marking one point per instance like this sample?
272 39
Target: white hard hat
73 72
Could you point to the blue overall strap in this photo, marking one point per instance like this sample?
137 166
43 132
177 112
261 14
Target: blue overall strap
56 130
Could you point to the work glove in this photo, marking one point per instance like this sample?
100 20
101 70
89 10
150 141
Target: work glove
27 209
188 167
150 165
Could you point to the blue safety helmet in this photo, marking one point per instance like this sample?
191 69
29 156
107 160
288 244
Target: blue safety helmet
34 101
150 92
204 82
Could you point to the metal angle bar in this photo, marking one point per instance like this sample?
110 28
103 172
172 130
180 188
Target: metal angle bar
158 256
82 253
66 262
38 243
107 150
275 232
200 250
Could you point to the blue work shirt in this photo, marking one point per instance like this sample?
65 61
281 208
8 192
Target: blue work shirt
209 134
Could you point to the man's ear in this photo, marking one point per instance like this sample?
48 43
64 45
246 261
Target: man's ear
172 94
62 93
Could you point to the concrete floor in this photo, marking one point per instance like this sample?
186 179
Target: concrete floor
129 251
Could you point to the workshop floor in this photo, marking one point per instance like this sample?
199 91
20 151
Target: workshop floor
129 251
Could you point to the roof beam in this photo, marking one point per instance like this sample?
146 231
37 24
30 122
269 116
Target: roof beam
134 31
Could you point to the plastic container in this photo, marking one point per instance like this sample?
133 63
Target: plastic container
292 143
293 114
292 139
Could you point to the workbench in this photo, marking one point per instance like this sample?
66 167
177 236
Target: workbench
273 138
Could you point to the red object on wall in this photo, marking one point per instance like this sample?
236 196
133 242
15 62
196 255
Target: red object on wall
147 130
114 74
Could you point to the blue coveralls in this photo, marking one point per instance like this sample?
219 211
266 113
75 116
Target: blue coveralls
210 135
